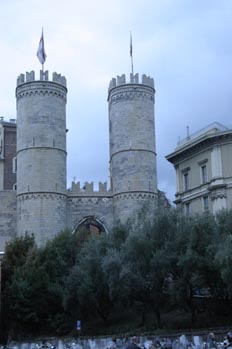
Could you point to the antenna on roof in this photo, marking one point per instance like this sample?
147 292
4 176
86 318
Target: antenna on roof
188 132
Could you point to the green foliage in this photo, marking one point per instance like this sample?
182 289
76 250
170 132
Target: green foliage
146 267
196 267
89 279
16 254
224 260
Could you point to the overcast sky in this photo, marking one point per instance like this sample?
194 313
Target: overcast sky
185 45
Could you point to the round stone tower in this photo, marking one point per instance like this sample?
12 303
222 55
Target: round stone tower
41 155
132 146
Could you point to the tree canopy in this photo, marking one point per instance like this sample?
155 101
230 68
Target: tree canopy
144 267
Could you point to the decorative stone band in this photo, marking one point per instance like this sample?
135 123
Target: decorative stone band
218 191
89 199
41 195
35 147
136 195
215 196
41 88
130 92
129 149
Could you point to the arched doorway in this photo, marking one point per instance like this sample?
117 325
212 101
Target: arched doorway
93 224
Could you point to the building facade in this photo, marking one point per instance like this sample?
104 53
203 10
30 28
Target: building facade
8 164
38 201
8 167
203 164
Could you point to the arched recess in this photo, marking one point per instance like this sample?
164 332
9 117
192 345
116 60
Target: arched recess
93 224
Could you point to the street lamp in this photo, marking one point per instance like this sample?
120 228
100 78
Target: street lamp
1 255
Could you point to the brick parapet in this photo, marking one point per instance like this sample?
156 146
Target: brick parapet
134 79
28 86
44 76
87 190
120 90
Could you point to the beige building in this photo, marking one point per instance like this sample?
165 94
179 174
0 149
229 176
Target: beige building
203 164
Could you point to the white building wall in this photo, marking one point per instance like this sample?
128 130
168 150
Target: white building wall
216 162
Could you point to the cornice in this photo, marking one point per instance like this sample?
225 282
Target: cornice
190 148
135 195
44 195
130 92
38 88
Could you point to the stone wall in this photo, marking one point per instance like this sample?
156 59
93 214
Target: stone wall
132 145
9 154
98 208
41 155
7 217
42 214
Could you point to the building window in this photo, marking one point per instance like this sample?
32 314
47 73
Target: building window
186 180
205 203
204 176
187 208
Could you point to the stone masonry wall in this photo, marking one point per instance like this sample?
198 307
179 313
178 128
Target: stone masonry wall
41 155
127 207
132 145
99 208
9 154
42 214
85 202
7 217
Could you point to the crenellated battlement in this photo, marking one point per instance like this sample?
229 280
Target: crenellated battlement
134 79
44 76
88 189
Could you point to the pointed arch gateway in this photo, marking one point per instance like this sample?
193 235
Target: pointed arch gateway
93 224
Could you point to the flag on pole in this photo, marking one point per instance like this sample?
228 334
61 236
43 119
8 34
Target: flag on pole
41 51
130 44
131 55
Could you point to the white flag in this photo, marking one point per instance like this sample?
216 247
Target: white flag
41 51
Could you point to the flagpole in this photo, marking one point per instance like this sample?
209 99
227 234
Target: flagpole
131 55
132 67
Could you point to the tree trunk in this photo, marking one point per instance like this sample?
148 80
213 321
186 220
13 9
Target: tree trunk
192 306
158 317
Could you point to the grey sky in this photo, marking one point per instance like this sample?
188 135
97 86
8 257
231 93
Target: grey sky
185 45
